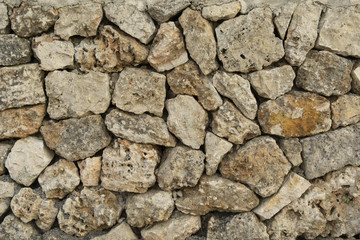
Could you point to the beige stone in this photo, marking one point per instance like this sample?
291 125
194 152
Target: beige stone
120 232
90 171
292 149
14 228
221 12
283 17
4 19
162 11
5 147
345 110
4 205
355 85
7 189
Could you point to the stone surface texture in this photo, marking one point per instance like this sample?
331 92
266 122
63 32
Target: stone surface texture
162 11
345 110
292 149
90 171
5 147
120 232
355 85
4 19
13 228
221 12
283 17
14 50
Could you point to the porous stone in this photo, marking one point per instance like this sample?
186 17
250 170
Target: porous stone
13 228
82 20
355 85
256 48
162 11
187 79
221 12
283 17
238 90
77 95
141 128
5 147
4 19
292 149
147 208
260 164
4 206
168 49
47 214
229 123
140 90
345 110
120 232
90 171
180 167
295 114
272 83
14 50
76 138
214 193
131 17
325 73
56 234
187 120
200 40
28 158
21 85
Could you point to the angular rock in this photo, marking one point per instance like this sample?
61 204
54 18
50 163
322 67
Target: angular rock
128 166
5 147
14 50
229 123
82 20
140 90
139 128
181 167
274 82
132 18
150 207
90 171
256 48
187 79
7 189
21 85
21 122
295 114
292 149
47 214
221 12
187 120
162 11
76 138
77 95
355 85
345 110
4 19
167 50
238 90
120 232
214 193
28 158
4 206
14 228
325 73
29 21
283 17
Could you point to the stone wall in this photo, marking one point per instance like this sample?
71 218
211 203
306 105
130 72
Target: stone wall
184 119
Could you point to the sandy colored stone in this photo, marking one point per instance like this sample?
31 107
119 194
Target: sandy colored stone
295 114
5 147
4 19
120 232
345 110
199 4
47 214
162 11
4 205
13 228
90 171
283 17
221 12
14 50
7 189
56 234
292 149
355 85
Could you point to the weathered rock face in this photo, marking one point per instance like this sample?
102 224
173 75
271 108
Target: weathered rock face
256 48
14 228
355 85
221 12
90 171
14 50
283 17
4 206
4 19
75 139
345 110
121 232
7 189
295 114
162 11
292 149
5 147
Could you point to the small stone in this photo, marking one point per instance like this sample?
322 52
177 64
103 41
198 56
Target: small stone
178 226
7 189
14 228
283 17
14 50
162 11
356 80
77 95
325 73
21 122
82 20
215 148
120 232
4 206
4 19
181 167
5 147
199 4
141 128
47 214
295 114
345 110
29 21
238 90
214 193
140 90
292 149
302 32
274 82
132 18
76 138
200 40
27 159
150 207
229 123
21 85
187 79
167 50
257 48
187 120
90 171
221 12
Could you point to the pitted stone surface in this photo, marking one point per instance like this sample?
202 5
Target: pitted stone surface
14 50
13 228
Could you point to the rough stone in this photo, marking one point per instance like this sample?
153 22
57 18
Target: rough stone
56 234
238 90
147 208
4 19
272 83
77 95
140 90
5 147
132 18
214 193
229 123
355 85
302 32
162 11
258 47
76 138
47 214
295 114
90 171
4 206
28 158
283 17
187 79
331 151
139 128
167 50
187 120
14 50
345 110
29 21
325 73
21 85
199 4
180 167
14 228
120 232
292 149
221 12
82 20
7 189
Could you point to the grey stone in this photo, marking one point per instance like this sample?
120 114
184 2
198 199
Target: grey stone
292 149
14 50
14 228
345 110
162 11
199 4
4 19
56 234
5 147
221 12
283 17
120 232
